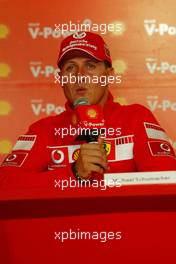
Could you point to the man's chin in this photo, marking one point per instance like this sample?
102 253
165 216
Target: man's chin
83 96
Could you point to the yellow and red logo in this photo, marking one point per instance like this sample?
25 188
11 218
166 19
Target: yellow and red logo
75 154
92 113
74 119
107 147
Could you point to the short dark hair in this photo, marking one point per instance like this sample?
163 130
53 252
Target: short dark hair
107 65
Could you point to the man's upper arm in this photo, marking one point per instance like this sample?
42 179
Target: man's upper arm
152 149
29 152
27 164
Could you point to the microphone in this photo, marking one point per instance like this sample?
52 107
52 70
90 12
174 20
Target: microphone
92 123
90 120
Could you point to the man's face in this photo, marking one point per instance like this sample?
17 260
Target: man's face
96 93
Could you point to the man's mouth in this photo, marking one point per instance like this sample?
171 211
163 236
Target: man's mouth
81 91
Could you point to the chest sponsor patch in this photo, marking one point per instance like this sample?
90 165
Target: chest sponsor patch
124 147
155 131
110 149
160 148
62 155
117 149
15 159
25 142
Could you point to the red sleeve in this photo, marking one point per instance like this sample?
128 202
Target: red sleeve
27 164
29 152
152 149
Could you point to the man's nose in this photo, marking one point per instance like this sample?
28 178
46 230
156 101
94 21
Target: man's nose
81 75
80 70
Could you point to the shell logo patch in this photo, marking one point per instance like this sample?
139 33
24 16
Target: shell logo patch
92 113
74 119
75 154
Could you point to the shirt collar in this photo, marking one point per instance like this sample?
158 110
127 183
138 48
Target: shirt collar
107 109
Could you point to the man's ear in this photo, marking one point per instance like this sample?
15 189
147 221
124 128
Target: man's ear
58 75
58 71
110 71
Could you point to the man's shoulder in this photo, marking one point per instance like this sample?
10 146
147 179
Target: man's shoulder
50 121
135 109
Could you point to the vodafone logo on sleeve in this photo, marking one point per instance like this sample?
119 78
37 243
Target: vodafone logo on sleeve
15 159
160 148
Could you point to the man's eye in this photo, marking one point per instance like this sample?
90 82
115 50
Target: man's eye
90 66
70 68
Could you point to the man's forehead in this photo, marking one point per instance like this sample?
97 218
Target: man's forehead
76 59
76 54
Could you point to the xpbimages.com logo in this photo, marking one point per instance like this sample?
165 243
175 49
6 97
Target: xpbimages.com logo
152 28
102 236
79 79
58 30
103 28
86 183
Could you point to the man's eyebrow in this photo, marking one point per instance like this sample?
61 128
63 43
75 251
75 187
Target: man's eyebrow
88 60
92 60
69 61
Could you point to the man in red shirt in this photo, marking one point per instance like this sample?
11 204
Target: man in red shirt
134 140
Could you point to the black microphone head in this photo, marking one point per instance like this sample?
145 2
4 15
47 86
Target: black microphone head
81 101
